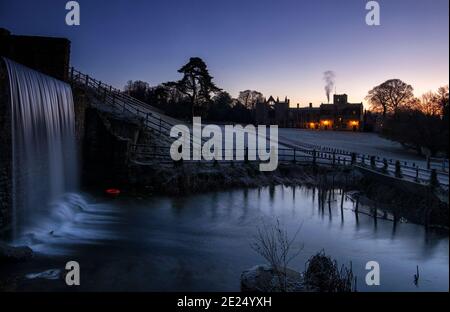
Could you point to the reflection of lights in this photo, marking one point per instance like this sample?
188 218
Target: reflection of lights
354 123
113 192
326 122
312 125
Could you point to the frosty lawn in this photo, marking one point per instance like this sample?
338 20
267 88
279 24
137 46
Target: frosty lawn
358 142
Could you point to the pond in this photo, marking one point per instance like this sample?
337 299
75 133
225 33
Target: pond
202 242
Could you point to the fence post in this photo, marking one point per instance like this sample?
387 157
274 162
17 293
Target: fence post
385 165
372 162
86 83
295 152
160 124
398 169
434 182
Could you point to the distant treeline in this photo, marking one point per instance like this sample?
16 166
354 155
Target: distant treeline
415 122
418 123
196 94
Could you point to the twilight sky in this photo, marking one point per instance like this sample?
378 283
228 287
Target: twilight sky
280 48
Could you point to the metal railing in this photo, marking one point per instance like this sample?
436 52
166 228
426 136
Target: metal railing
154 120
152 117
441 164
144 153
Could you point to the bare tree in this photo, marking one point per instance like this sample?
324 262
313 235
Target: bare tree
390 96
428 104
273 243
138 89
442 98
249 98
431 103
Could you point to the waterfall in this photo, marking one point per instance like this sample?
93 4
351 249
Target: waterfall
44 148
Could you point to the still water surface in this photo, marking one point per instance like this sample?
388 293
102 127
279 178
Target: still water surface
202 242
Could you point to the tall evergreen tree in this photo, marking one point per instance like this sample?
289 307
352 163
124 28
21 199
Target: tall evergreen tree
197 85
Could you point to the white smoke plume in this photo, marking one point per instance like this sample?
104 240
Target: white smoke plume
329 77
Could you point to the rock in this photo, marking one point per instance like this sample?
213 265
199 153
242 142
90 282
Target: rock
263 278
14 254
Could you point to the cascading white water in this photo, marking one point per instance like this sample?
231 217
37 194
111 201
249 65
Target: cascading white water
44 146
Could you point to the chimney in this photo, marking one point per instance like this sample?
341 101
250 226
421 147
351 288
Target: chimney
310 105
298 106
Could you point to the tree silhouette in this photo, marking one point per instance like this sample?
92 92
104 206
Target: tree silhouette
249 98
138 89
390 96
428 104
196 84
220 107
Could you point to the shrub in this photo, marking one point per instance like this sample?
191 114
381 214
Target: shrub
274 245
323 275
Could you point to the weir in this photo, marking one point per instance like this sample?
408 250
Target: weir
44 153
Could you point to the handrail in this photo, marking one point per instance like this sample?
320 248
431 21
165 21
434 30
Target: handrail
153 120
295 155
152 117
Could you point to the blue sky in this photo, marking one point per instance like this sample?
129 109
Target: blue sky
280 48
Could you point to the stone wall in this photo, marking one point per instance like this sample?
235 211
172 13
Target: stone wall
80 102
5 152
48 55
106 143
104 137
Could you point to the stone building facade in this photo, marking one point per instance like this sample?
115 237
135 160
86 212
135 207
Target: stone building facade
273 112
340 115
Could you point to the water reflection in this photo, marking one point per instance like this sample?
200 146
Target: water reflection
202 242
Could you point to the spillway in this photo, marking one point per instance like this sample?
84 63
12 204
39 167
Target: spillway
44 157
